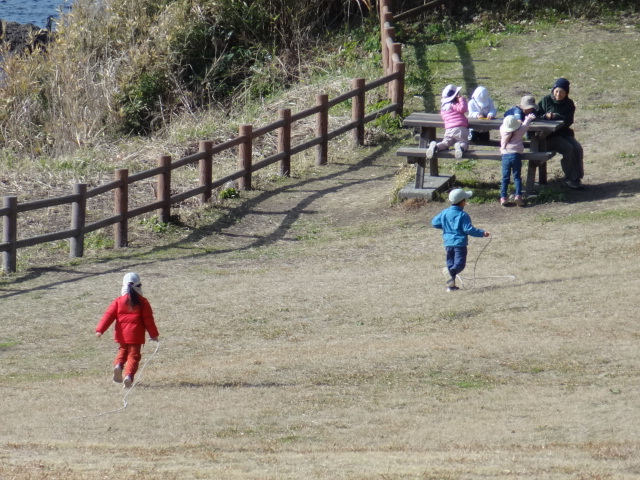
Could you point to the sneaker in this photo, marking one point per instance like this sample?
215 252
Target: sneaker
459 150
117 374
452 289
572 184
128 381
519 201
431 150
451 283
504 202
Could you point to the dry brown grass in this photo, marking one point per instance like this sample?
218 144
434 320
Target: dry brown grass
315 338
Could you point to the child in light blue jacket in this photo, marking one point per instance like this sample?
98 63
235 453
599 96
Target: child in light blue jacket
456 227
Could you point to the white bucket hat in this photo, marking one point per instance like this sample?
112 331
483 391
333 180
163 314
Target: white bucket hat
449 93
510 123
457 195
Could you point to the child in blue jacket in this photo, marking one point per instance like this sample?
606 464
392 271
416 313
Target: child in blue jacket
456 227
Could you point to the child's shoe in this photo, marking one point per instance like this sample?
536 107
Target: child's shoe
519 201
431 150
504 202
128 381
459 150
117 374
452 289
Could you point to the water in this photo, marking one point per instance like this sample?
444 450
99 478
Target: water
31 11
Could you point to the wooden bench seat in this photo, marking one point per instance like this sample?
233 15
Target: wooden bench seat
536 160
416 152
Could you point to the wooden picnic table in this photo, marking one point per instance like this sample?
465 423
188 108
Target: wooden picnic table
429 122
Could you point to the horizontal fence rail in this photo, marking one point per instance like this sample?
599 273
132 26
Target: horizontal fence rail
164 199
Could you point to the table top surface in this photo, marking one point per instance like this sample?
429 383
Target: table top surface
434 120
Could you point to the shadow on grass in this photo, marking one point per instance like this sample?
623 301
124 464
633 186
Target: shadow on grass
233 215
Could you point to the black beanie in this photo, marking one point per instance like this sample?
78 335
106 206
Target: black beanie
562 83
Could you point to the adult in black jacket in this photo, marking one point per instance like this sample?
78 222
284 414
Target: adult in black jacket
558 106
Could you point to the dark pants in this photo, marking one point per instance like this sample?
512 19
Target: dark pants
476 136
572 154
456 259
511 162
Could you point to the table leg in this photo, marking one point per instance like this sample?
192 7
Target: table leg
531 170
433 163
542 171
531 177
421 162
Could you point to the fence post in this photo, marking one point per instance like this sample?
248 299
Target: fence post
397 89
78 216
10 234
383 39
244 157
206 169
389 36
121 229
357 111
163 188
322 128
284 142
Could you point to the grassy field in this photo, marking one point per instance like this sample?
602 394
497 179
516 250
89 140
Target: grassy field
314 337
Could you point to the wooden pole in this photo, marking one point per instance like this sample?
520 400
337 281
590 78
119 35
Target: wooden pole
389 36
163 192
383 40
357 110
78 217
10 234
206 169
397 90
322 128
284 142
121 229
244 157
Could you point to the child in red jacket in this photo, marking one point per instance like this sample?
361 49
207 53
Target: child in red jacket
133 316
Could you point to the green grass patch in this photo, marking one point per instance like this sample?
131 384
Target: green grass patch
590 217
6 344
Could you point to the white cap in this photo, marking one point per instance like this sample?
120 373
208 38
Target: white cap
457 195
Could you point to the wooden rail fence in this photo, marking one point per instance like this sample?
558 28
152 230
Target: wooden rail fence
11 208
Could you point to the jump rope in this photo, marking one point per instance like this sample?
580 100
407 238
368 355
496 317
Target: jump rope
129 390
150 357
475 264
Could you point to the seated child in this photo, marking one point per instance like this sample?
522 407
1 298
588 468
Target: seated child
527 106
453 109
481 106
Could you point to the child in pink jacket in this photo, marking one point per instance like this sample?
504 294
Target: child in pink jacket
133 316
453 109
512 132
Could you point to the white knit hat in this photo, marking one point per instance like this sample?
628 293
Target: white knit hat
132 279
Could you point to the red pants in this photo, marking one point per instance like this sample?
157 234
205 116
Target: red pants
129 357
